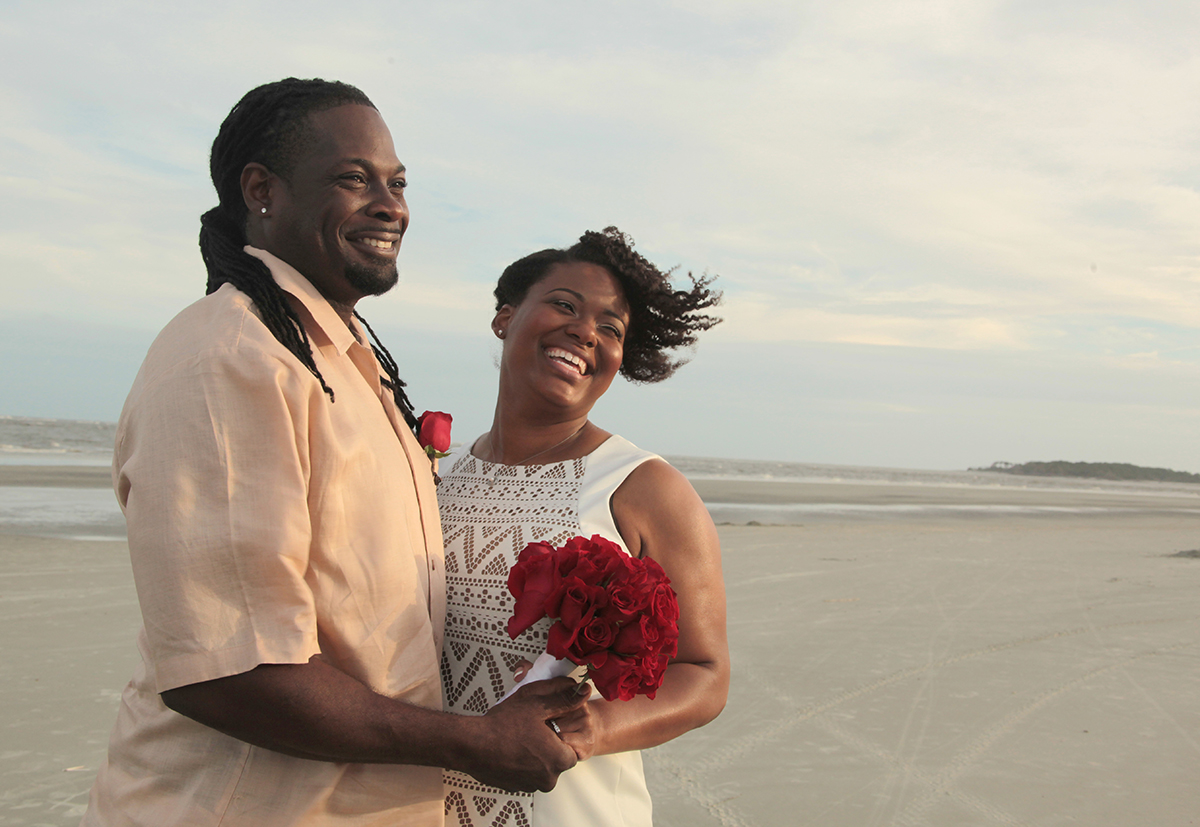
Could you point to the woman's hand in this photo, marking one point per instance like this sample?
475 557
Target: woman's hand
521 670
579 729
576 729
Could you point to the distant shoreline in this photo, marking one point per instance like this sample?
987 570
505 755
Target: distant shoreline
1116 471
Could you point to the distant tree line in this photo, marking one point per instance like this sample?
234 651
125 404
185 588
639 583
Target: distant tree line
1091 470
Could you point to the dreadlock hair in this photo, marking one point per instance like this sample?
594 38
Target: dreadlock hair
270 126
660 317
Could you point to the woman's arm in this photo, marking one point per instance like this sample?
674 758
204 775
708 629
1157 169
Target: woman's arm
660 516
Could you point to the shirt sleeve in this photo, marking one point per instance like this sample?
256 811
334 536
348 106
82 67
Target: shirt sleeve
212 472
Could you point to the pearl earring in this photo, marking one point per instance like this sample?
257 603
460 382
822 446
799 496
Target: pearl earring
264 210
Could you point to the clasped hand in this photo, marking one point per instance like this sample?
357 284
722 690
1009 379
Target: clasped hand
521 752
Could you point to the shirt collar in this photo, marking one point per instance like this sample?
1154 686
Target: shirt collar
322 312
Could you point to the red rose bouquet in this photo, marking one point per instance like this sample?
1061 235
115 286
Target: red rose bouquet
613 613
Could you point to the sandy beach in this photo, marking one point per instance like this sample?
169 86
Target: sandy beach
914 668
56 476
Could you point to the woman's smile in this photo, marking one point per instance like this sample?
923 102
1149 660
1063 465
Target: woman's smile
574 363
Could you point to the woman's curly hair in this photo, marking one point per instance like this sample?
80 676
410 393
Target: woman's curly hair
660 317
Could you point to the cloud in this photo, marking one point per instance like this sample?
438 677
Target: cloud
1005 180
758 319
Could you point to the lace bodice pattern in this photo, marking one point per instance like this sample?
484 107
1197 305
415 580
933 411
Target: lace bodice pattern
489 513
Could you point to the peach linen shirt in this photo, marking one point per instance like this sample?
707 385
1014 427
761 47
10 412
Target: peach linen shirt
268 525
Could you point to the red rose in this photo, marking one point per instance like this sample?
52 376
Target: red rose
568 558
629 569
572 594
639 636
651 670
596 659
579 602
532 580
597 565
653 570
626 601
635 576
575 604
616 678
595 637
669 646
559 639
601 545
433 432
537 550
591 560
594 543
664 606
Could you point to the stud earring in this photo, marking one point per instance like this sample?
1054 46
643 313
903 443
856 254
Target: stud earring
264 210
500 332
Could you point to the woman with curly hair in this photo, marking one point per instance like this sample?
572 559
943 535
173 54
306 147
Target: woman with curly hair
570 320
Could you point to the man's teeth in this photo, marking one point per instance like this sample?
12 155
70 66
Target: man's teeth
569 358
375 242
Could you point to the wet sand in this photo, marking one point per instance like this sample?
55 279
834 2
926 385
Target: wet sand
69 615
904 670
56 476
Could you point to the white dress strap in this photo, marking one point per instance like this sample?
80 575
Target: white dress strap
607 467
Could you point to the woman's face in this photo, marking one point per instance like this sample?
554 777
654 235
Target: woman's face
564 342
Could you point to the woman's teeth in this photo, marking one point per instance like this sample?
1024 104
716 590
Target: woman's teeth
569 358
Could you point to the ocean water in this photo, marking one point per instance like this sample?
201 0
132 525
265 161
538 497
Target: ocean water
700 468
81 513
1136 496
93 512
30 441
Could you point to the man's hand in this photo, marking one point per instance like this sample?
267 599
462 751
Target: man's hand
521 752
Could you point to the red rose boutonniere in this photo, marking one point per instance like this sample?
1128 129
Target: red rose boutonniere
613 613
433 433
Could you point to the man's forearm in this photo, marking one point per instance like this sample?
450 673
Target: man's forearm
315 711
310 710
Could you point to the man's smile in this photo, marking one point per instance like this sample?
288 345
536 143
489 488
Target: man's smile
377 240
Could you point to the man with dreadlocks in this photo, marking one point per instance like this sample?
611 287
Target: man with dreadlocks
282 521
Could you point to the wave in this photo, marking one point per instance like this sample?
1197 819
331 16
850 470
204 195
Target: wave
26 436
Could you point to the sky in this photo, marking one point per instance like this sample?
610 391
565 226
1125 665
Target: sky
948 233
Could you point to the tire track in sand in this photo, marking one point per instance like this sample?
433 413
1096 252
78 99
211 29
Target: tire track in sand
721 757
941 785
689 782
912 772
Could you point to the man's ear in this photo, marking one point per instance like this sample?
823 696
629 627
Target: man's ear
257 182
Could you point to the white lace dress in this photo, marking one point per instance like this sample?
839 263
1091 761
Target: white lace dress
489 513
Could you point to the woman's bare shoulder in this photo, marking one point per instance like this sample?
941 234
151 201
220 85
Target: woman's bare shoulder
656 500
